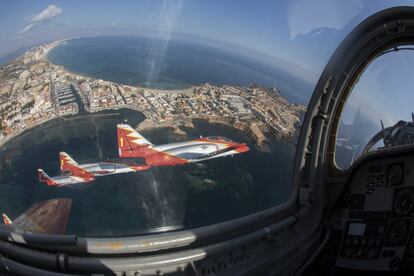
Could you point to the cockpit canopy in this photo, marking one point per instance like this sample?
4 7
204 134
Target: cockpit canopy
377 114
219 138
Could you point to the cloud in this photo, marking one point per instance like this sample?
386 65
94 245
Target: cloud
26 28
44 16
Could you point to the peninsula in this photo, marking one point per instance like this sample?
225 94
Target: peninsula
33 91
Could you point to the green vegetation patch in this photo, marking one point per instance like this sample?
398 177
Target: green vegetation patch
28 105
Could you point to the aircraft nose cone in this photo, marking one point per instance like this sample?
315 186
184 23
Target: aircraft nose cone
243 148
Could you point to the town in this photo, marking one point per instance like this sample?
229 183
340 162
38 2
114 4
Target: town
33 91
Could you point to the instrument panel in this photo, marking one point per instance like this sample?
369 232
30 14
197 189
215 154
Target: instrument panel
376 216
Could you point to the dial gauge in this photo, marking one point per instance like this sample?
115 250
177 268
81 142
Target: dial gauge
398 233
404 202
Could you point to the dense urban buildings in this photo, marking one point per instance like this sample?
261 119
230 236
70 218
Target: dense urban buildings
32 91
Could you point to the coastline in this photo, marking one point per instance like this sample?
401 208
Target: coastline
21 133
253 132
106 112
279 118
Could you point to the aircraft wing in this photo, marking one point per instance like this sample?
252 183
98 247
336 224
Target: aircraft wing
49 217
80 172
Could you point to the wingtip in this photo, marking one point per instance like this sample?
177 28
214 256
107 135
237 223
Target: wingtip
6 219
124 126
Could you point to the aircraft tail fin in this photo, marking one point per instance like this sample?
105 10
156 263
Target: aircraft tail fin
6 220
45 178
130 142
66 162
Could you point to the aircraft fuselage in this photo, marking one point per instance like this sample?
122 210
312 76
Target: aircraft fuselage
184 152
108 168
200 149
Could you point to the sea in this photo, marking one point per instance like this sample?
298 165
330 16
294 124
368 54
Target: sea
159 199
172 64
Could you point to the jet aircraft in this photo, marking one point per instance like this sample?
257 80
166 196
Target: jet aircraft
48 217
132 144
83 173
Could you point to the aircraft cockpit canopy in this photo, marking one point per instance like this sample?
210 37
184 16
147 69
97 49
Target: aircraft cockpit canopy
219 138
376 114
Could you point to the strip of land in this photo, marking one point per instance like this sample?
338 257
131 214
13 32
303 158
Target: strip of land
33 91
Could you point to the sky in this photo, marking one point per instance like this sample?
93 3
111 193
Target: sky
384 90
300 35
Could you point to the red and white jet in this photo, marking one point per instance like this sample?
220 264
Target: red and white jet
83 173
132 144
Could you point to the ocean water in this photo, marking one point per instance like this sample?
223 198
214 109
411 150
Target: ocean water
179 197
144 62
159 199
